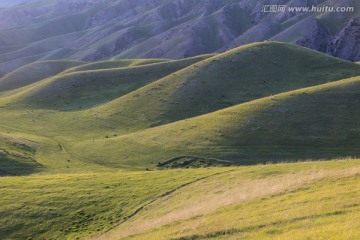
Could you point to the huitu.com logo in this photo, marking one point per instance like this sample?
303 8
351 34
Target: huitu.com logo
312 9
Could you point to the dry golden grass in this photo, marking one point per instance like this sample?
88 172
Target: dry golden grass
208 198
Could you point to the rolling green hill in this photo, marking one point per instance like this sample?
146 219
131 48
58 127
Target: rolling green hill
34 72
17 156
310 123
121 101
88 88
75 139
240 75
116 64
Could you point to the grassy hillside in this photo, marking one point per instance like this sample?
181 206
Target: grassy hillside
17 156
82 136
126 119
297 201
185 203
116 64
240 75
34 72
88 88
316 122
250 132
70 206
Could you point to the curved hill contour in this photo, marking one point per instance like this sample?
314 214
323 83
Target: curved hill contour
311 123
86 89
237 76
34 72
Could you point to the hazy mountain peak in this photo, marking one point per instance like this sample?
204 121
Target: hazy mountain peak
93 30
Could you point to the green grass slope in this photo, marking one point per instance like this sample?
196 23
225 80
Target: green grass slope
53 109
320 197
7 67
84 89
34 72
17 156
71 206
240 75
116 64
290 201
310 123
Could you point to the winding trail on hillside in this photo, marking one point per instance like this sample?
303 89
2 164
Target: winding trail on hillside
139 209
248 190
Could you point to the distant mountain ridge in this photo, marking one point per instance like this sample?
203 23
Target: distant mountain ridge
12 3
90 30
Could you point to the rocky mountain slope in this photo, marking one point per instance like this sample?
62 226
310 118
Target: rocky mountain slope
90 30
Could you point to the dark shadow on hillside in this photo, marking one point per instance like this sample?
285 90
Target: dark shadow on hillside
280 154
16 165
253 155
192 162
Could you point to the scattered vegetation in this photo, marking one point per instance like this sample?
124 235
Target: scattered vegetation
191 162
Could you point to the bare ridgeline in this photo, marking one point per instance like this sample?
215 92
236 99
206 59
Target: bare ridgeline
93 30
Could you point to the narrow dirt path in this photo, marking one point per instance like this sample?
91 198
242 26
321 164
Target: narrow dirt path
138 210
